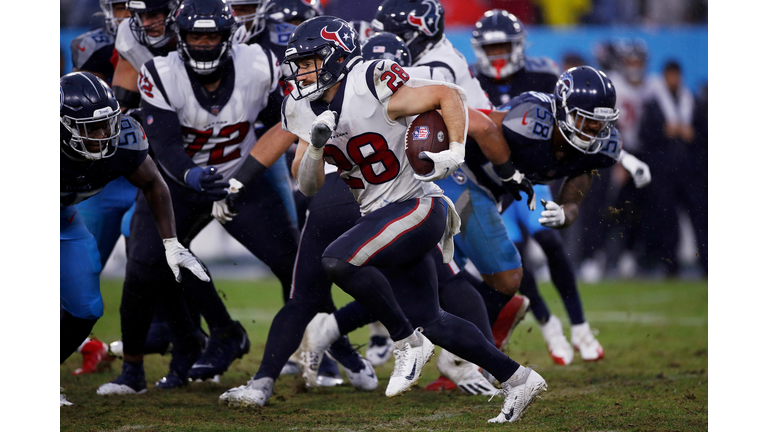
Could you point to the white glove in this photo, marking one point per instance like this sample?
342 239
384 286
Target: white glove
446 162
639 170
179 256
322 128
221 210
553 215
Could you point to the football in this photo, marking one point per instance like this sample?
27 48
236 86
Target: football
427 132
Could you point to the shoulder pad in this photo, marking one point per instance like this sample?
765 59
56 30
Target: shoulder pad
541 65
132 136
297 117
529 116
383 78
613 147
151 85
86 44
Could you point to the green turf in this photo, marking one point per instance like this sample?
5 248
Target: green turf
654 376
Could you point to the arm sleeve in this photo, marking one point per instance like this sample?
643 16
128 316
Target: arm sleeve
164 134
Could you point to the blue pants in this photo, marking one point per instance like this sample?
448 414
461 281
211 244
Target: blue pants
108 214
80 266
517 216
483 237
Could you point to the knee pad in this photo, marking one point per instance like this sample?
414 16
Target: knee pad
335 268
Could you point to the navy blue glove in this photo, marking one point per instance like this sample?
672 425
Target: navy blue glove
206 181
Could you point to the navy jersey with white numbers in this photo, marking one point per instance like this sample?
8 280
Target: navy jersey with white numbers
539 74
93 51
528 128
81 179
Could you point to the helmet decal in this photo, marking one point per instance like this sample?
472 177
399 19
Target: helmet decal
564 85
343 37
426 22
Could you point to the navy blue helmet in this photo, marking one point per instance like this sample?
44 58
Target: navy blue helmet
387 46
499 27
585 96
420 23
90 116
205 16
329 38
159 17
293 10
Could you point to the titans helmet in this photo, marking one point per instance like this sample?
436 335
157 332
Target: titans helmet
420 23
329 38
583 96
89 116
499 27
387 46
205 16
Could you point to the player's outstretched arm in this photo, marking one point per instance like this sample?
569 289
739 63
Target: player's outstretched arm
564 211
639 170
147 178
488 135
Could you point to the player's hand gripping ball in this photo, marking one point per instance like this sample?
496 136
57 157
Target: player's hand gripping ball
427 133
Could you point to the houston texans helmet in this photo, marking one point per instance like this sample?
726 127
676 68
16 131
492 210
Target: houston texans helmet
141 9
420 23
293 11
585 108
89 116
330 38
205 16
252 21
386 46
110 21
634 56
499 27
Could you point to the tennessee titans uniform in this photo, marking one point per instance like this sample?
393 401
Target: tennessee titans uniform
483 238
539 74
80 180
94 52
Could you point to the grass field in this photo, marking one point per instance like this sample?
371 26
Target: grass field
654 376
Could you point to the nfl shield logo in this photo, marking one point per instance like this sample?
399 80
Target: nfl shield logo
421 133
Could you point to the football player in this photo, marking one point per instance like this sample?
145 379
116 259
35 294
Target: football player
199 106
93 51
98 145
421 24
146 34
384 261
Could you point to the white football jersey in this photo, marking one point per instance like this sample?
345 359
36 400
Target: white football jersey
129 48
217 131
629 100
452 64
367 147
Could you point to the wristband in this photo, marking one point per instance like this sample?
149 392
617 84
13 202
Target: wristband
251 169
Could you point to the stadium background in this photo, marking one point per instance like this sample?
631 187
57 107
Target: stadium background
673 30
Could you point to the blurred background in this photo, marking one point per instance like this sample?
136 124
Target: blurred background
659 231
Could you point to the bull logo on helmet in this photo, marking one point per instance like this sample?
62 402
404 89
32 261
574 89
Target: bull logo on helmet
344 37
564 86
426 22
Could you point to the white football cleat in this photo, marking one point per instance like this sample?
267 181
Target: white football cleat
321 332
115 349
292 365
63 398
411 354
113 389
465 375
585 343
252 394
559 348
520 391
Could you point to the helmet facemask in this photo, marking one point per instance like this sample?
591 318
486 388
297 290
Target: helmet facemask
323 77
503 65
102 128
575 125
253 22
110 21
142 31
205 59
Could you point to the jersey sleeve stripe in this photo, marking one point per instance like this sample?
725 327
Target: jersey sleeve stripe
369 79
436 64
150 65
268 53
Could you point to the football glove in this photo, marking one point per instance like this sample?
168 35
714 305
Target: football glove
446 162
322 128
206 181
179 256
518 183
224 210
639 170
553 215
